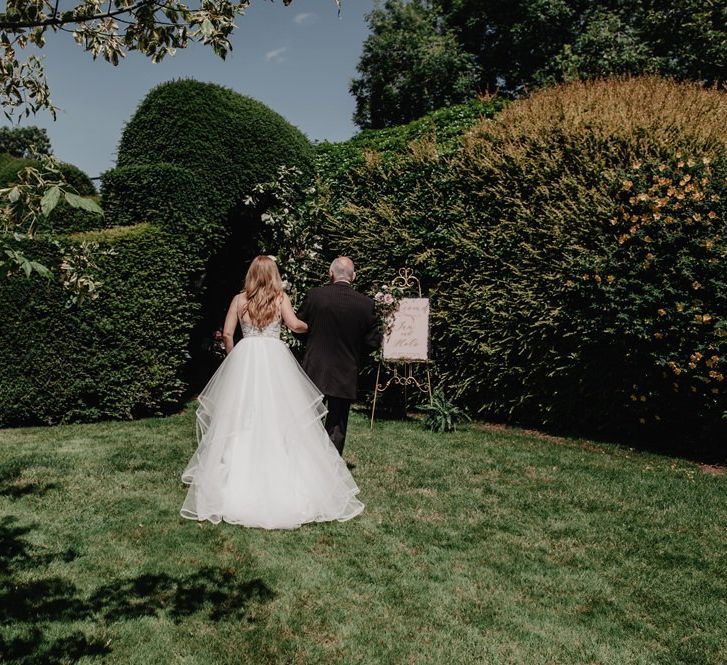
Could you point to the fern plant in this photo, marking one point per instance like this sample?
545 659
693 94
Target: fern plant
441 414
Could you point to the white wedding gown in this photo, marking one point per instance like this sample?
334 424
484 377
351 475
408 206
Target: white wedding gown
264 458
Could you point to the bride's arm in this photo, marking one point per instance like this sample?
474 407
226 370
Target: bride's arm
291 320
228 332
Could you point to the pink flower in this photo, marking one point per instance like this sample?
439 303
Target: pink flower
388 299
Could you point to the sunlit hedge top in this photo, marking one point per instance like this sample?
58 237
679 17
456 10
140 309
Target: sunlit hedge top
634 114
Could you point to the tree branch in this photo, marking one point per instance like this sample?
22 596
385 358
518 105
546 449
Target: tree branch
11 25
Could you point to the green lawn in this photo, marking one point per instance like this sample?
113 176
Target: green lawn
485 546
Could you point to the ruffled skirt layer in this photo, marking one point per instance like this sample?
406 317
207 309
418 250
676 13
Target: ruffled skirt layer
264 458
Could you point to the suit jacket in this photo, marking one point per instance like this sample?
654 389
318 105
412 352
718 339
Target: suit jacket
342 326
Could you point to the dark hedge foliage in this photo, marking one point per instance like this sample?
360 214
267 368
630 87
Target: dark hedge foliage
574 249
120 356
150 192
78 179
66 219
10 167
230 142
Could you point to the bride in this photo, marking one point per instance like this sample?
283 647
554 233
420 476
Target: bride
263 457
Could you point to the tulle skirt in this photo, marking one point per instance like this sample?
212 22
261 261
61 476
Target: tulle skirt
263 457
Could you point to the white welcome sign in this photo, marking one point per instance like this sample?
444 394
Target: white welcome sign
408 337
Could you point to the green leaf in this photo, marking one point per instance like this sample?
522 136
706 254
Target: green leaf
50 200
82 202
40 269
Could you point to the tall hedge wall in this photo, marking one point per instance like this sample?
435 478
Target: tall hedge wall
120 356
574 248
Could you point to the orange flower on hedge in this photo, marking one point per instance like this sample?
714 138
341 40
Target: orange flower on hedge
711 214
662 312
610 279
680 307
696 285
658 335
706 161
717 376
708 244
712 361
697 217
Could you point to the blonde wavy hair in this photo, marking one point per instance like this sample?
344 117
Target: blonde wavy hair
262 291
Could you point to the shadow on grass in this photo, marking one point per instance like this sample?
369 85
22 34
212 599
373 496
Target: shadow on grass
27 607
10 474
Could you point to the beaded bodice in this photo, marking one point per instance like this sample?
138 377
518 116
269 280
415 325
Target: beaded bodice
270 330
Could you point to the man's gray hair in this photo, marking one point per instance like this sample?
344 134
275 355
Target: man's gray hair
342 268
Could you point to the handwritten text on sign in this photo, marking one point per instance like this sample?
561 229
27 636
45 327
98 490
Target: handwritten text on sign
408 339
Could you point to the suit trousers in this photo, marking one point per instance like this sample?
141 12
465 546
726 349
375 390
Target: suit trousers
337 420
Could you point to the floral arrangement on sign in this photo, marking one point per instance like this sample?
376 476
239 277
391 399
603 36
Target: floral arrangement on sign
386 301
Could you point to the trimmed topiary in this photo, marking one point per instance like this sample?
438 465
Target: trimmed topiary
229 141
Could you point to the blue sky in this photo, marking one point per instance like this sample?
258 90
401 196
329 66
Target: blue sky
298 60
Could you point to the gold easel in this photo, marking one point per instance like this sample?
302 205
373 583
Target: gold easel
404 281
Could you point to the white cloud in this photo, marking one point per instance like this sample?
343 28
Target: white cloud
276 55
304 18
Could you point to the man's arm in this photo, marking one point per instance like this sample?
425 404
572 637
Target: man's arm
303 314
372 338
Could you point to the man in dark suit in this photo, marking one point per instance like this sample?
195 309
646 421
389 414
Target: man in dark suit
342 327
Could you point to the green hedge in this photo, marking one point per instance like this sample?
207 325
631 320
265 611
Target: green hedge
187 158
230 142
147 192
445 127
543 313
120 356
